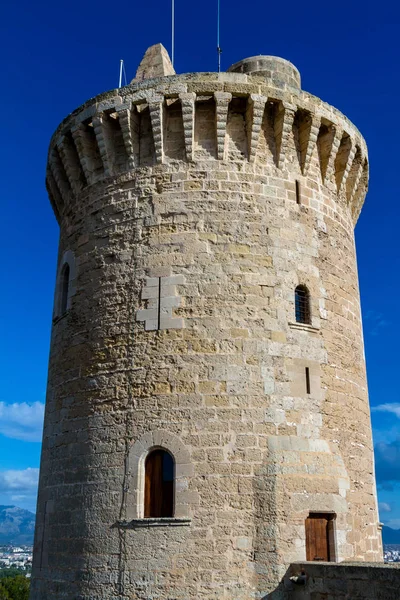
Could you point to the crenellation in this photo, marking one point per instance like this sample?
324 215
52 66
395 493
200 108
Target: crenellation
83 147
222 100
146 139
343 160
104 142
129 122
70 159
174 134
310 137
57 170
354 176
117 149
157 117
55 197
266 151
360 191
188 112
254 117
236 140
282 129
328 142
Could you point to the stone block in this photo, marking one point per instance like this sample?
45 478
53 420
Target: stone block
170 302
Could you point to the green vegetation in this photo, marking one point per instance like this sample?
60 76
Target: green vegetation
10 572
13 585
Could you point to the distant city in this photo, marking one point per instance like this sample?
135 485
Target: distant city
391 553
16 557
20 557
17 527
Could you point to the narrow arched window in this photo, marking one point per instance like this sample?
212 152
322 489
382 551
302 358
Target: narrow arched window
159 485
64 289
302 305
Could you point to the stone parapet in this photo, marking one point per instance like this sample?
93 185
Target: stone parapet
343 581
100 140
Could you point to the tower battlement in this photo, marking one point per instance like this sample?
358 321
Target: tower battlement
254 115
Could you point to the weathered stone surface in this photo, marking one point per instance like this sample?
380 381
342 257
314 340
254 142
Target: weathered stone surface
155 63
273 68
179 210
355 581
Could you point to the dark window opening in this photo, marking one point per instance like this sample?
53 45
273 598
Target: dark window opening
159 304
302 305
320 541
64 289
298 198
159 485
308 385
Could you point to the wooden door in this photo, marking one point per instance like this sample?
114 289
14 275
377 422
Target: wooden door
317 537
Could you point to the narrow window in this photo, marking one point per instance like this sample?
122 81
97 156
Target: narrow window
298 198
64 289
159 304
302 305
308 386
159 485
320 543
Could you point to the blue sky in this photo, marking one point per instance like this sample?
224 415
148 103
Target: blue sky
56 55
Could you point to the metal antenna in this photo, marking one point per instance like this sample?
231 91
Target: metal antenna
219 51
121 66
173 33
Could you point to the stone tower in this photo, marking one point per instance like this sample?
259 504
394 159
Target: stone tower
206 310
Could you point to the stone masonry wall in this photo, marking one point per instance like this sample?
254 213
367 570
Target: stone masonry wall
212 365
346 581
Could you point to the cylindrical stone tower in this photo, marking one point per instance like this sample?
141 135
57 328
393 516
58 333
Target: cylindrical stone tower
206 310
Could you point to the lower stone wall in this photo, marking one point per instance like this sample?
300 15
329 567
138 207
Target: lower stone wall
340 581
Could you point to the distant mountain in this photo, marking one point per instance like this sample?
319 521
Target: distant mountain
17 525
390 536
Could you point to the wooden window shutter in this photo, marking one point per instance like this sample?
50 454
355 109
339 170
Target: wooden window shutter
317 537
159 485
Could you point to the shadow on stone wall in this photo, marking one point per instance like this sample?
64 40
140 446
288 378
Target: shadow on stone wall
266 557
340 581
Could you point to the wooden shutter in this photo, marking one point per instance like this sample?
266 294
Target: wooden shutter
153 485
159 485
168 486
147 486
317 538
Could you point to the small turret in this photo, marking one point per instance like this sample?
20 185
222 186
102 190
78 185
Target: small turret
275 70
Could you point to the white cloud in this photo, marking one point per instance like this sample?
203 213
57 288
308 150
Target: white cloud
19 488
393 407
19 483
384 507
393 523
387 435
22 421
